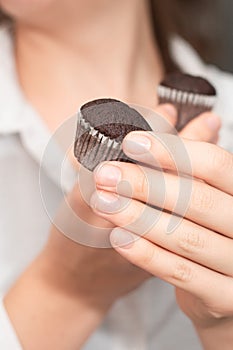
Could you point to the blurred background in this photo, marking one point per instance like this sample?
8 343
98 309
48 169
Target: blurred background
206 24
215 26
222 35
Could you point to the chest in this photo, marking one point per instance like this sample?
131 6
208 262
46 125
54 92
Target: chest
24 224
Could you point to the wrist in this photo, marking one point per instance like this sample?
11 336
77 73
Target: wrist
37 307
64 268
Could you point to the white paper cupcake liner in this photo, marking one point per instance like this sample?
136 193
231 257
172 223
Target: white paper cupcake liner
183 97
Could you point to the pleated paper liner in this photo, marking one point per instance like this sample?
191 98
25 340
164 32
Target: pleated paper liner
92 147
189 105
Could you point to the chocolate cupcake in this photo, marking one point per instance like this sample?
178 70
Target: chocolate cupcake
191 95
101 128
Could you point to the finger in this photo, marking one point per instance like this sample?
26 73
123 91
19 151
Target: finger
203 160
203 128
188 239
168 111
205 284
162 118
216 140
195 200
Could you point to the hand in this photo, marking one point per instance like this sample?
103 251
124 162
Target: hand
96 276
197 257
204 127
103 264
90 261
71 284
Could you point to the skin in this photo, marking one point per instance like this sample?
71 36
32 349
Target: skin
197 256
68 289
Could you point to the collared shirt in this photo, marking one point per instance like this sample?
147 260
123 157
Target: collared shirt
147 318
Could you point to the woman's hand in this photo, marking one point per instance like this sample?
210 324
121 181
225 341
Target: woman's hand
197 256
72 286
102 264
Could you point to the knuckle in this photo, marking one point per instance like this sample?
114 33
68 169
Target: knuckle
216 314
182 272
221 160
218 308
191 241
202 198
217 311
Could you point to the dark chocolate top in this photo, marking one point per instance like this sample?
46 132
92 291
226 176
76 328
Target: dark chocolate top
189 83
113 118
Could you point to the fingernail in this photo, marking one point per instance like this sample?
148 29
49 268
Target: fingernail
136 144
105 202
170 109
107 175
121 238
213 122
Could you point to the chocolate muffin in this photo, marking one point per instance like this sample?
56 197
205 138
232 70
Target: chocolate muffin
192 95
101 128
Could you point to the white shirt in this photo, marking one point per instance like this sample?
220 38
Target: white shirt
148 318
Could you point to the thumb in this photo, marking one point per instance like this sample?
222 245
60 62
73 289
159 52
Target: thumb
203 128
167 117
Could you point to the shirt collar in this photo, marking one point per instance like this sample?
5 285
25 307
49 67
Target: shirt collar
18 116
11 99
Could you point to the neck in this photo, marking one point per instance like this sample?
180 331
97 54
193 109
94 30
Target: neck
107 51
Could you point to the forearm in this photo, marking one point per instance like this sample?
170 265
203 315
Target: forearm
217 337
47 317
